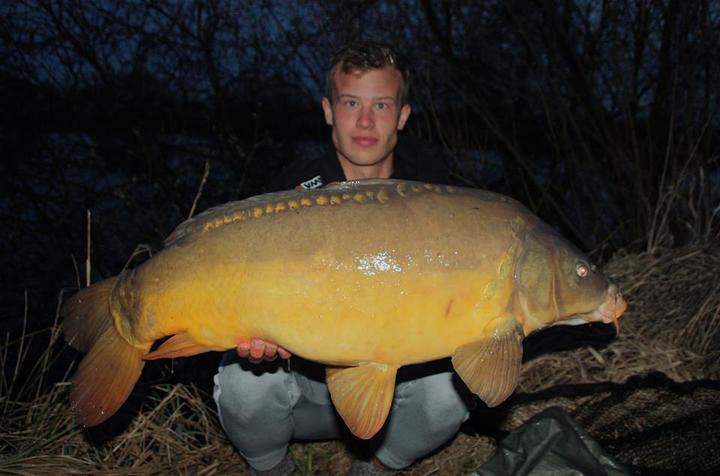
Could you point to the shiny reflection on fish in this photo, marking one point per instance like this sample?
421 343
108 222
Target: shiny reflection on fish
382 262
445 260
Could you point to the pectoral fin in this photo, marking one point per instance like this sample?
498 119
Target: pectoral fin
491 367
179 345
362 396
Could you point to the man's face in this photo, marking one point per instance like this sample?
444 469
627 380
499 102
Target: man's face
365 115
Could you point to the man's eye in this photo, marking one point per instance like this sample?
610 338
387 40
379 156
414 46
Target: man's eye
351 103
381 105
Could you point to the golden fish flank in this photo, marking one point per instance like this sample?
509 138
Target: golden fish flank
363 276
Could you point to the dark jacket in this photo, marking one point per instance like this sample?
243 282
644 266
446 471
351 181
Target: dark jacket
413 160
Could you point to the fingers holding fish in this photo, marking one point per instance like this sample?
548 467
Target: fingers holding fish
258 350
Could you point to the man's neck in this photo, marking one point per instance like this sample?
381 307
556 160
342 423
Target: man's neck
382 169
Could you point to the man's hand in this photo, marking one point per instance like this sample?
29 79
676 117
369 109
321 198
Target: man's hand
258 350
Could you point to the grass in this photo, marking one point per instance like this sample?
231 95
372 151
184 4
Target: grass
672 326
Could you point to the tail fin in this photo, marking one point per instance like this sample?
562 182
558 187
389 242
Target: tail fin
109 371
86 315
105 378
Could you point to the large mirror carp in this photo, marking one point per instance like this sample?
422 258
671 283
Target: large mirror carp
363 276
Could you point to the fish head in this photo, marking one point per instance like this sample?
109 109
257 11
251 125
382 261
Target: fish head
557 284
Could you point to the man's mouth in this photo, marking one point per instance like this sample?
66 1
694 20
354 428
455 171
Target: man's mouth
364 141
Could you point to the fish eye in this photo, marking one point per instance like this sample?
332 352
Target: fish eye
582 269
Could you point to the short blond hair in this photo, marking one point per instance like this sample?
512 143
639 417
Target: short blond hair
363 56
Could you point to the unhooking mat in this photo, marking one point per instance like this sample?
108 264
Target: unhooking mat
647 425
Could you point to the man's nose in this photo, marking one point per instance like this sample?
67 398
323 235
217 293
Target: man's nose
365 120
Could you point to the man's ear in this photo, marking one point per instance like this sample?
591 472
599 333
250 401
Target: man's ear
327 109
404 114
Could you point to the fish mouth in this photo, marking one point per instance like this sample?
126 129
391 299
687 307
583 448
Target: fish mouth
610 311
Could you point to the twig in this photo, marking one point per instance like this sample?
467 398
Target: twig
87 254
206 172
77 271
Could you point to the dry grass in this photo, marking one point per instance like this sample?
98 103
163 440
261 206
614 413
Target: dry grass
672 326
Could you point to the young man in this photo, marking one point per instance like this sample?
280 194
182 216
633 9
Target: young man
263 405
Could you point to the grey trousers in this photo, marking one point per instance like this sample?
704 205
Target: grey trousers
263 406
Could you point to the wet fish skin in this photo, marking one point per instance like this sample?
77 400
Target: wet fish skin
364 276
